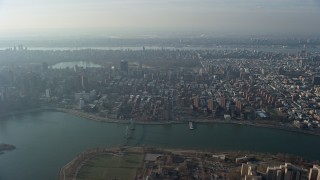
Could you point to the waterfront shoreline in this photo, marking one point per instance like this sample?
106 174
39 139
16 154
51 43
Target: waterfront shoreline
72 168
247 123
109 120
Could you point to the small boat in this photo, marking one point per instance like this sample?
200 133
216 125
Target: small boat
191 126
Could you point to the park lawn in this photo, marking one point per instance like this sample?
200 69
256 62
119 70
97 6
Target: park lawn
111 167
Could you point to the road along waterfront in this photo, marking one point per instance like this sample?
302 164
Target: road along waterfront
258 123
47 140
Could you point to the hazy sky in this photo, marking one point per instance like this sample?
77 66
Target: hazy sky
207 16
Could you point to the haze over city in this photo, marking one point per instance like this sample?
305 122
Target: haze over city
157 17
160 89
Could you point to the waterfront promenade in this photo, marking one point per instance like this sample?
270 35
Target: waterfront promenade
240 122
264 124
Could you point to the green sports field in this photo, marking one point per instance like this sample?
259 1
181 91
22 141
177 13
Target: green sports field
111 167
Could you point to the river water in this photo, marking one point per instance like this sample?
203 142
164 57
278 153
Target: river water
47 140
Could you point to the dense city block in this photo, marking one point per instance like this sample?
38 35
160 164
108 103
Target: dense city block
167 85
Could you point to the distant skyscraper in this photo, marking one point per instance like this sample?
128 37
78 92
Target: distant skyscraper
47 93
20 47
84 82
286 172
124 66
81 103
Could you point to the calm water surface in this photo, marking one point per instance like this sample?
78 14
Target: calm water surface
46 141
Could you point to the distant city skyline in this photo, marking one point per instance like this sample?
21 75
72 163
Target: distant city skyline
149 17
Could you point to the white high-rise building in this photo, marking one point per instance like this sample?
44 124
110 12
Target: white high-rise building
81 103
314 173
47 93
